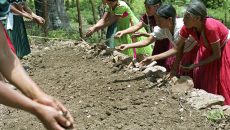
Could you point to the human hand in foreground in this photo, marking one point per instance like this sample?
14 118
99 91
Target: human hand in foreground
51 118
54 103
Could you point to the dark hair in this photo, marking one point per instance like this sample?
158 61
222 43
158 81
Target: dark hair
197 8
152 2
167 11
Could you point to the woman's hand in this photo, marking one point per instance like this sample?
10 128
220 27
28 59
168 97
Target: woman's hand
122 47
147 61
119 34
39 20
188 67
90 31
171 74
52 118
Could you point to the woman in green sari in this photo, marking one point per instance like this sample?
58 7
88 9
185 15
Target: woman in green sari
119 12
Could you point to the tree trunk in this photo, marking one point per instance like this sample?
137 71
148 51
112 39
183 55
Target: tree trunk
94 14
93 10
57 17
45 10
79 18
101 10
67 4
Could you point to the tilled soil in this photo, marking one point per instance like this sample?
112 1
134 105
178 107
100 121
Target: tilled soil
102 99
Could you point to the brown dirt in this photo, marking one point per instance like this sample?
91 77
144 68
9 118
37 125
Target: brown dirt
101 99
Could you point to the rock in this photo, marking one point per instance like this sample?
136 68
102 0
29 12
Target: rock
103 53
173 80
109 51
121 107
119 126
108 113
117 64
116 59
126 61
115 69
200 99
136 69
76 43
47 48
161 99
119 57
84 45
70 44
155 69
149 69
227 111
217 107
95 53
225 108
101 46
152 64
89 57
155 73
116 53
182 85
90 52
137 102
106 52
132 127
159 80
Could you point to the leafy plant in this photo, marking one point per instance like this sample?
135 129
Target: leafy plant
215 115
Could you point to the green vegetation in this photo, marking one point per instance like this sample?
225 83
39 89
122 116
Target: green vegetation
215 115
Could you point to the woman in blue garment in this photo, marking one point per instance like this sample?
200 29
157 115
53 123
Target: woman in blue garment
17 33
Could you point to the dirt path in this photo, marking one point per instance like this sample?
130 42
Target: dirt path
100 99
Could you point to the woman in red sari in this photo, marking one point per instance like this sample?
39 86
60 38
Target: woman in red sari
212 63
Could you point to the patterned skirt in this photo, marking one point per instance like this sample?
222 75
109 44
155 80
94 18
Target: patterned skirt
19 37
